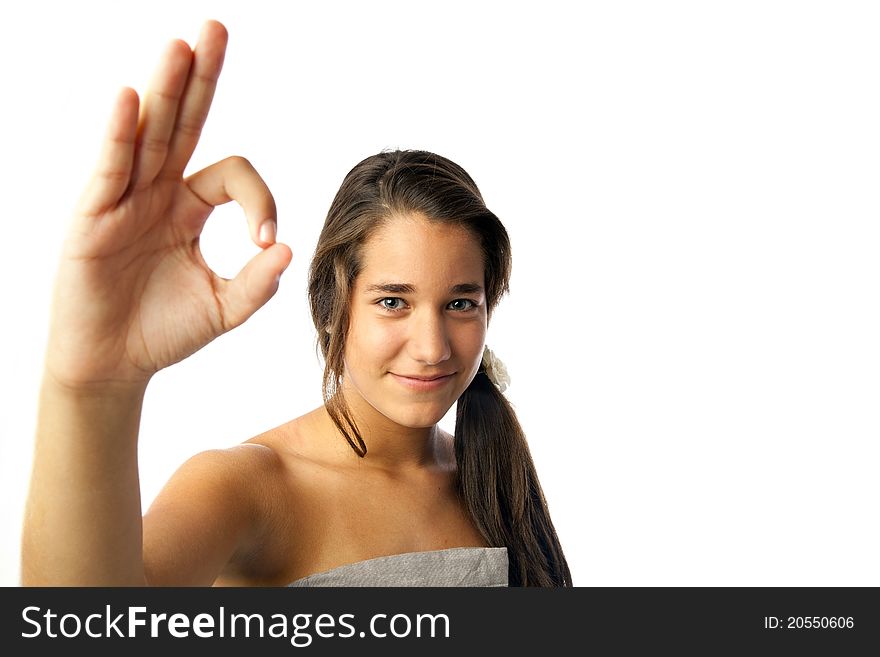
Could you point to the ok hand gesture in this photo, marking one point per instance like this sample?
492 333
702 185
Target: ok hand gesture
133 293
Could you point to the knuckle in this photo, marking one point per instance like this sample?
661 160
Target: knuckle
189 128
239 162
154 145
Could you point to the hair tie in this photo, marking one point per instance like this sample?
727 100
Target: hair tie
495 370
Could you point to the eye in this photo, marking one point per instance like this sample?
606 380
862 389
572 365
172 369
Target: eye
462 305
391 303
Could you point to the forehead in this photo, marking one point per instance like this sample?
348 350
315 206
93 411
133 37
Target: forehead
414 250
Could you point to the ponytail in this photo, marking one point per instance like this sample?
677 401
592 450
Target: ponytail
499 487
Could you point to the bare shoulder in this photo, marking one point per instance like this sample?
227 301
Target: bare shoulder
205 514
221 513
240 469
259 462
238 461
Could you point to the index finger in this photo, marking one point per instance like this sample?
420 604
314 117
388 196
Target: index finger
207 64
236 179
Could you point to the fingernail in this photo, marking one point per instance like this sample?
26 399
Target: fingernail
267 232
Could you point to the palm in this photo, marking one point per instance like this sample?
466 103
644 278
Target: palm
145 284
134 294
178 309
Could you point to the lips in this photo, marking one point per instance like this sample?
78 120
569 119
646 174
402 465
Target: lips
423 383
417 377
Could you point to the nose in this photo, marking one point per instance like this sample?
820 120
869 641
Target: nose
428 339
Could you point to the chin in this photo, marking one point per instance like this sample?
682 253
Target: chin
417 420
415 415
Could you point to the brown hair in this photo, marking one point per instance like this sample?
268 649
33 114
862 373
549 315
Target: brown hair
496 477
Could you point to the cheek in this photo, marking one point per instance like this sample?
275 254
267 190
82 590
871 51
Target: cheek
468 343
371 344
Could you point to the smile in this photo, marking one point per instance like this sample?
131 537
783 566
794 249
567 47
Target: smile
423 384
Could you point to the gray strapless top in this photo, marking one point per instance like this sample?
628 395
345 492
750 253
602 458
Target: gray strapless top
464 566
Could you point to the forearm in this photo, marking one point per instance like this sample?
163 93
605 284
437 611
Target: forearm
83 518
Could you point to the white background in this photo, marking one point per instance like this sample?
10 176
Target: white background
692 193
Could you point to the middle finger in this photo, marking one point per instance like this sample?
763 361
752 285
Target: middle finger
206 66
159 113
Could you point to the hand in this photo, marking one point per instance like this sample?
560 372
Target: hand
133 293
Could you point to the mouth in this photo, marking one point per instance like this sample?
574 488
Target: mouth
423 383
433 377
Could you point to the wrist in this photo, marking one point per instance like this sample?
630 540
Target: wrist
94 390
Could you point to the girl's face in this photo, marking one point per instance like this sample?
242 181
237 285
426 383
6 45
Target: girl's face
418 320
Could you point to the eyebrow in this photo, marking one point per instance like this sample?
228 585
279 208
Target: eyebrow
408 288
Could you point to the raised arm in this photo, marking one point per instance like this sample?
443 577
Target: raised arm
134 295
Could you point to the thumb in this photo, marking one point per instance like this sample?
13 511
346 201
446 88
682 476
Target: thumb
254 285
